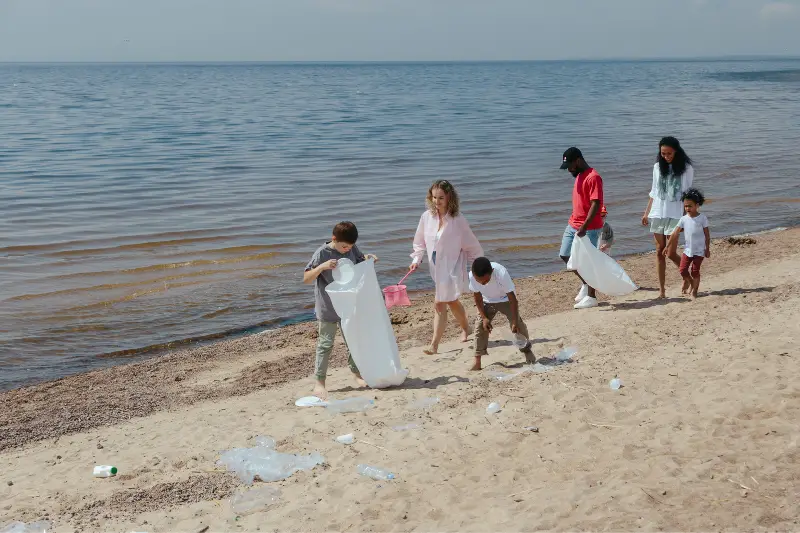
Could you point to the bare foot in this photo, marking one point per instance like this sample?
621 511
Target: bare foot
476 365
693 295
465 334
360 381
662 296
529 357
687 284
431 350
320 391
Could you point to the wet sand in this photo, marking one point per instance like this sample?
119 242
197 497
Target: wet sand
709 406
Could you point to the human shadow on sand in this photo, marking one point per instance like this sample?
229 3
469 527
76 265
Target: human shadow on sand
736 292
414 384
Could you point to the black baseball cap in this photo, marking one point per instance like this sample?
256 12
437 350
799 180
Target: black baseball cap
570 156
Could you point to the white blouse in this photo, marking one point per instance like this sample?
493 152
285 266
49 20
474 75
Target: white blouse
666 208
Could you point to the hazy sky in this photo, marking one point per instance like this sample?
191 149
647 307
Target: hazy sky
341 30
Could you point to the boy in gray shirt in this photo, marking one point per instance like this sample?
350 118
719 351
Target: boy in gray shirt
319 271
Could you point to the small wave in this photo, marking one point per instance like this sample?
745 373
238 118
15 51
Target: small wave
785 76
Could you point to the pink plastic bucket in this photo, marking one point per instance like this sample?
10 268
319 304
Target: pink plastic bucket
396 295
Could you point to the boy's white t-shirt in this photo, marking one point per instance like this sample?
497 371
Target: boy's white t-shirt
695 237
498 287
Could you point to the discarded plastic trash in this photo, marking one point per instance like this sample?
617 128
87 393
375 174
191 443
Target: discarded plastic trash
425 403
266 463
615 384
407 427
42 526
350 405
256 499
378 474
346 439
566 354
104 471
493 408
310 401
532 429
517 339
265 442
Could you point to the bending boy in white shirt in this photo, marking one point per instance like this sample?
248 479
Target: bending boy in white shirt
494 293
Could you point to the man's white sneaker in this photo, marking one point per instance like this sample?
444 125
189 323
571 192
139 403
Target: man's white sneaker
587 303
583 293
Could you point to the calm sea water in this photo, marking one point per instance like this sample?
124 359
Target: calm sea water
148 204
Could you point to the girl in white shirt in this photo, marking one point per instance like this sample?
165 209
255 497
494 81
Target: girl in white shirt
697 239
673 175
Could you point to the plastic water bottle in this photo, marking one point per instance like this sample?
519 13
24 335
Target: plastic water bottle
378 474
104 471
615 384
493 408
350 405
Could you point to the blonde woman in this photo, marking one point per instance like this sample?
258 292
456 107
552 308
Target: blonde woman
451 247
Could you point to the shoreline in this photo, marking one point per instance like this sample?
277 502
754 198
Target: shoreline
273 357
147 353
702 435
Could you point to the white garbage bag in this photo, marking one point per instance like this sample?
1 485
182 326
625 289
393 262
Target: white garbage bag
598 269
358 300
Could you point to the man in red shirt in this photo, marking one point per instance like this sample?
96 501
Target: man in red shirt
587 197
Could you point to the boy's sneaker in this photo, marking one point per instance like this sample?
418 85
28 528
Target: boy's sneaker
583 293
587 303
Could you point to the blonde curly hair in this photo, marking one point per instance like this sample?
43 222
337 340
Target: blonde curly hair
452 196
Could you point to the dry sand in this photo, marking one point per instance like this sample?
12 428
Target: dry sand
703 436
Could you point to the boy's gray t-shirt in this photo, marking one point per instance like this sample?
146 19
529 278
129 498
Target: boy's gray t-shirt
322 302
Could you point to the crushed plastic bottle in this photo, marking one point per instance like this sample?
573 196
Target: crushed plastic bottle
245 502
566 354
346 439
104 471
43 526
425 403
615 384
265 463
350 405
378 474
265 442
493 408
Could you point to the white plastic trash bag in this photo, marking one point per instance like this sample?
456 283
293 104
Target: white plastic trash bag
598 269
358 300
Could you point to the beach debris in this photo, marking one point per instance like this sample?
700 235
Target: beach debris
104 471
245 501
425 403
346 439
493 408
615 384
43 526
532 429
10 483
565 355
265 442
203 529
99 446
350 405
266 463
740 241
310 401
407 427
376 473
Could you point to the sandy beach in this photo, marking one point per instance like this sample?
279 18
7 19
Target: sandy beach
703 435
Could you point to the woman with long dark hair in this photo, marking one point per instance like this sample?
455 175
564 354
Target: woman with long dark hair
673 175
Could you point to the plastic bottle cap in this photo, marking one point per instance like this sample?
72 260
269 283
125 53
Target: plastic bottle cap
113 469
